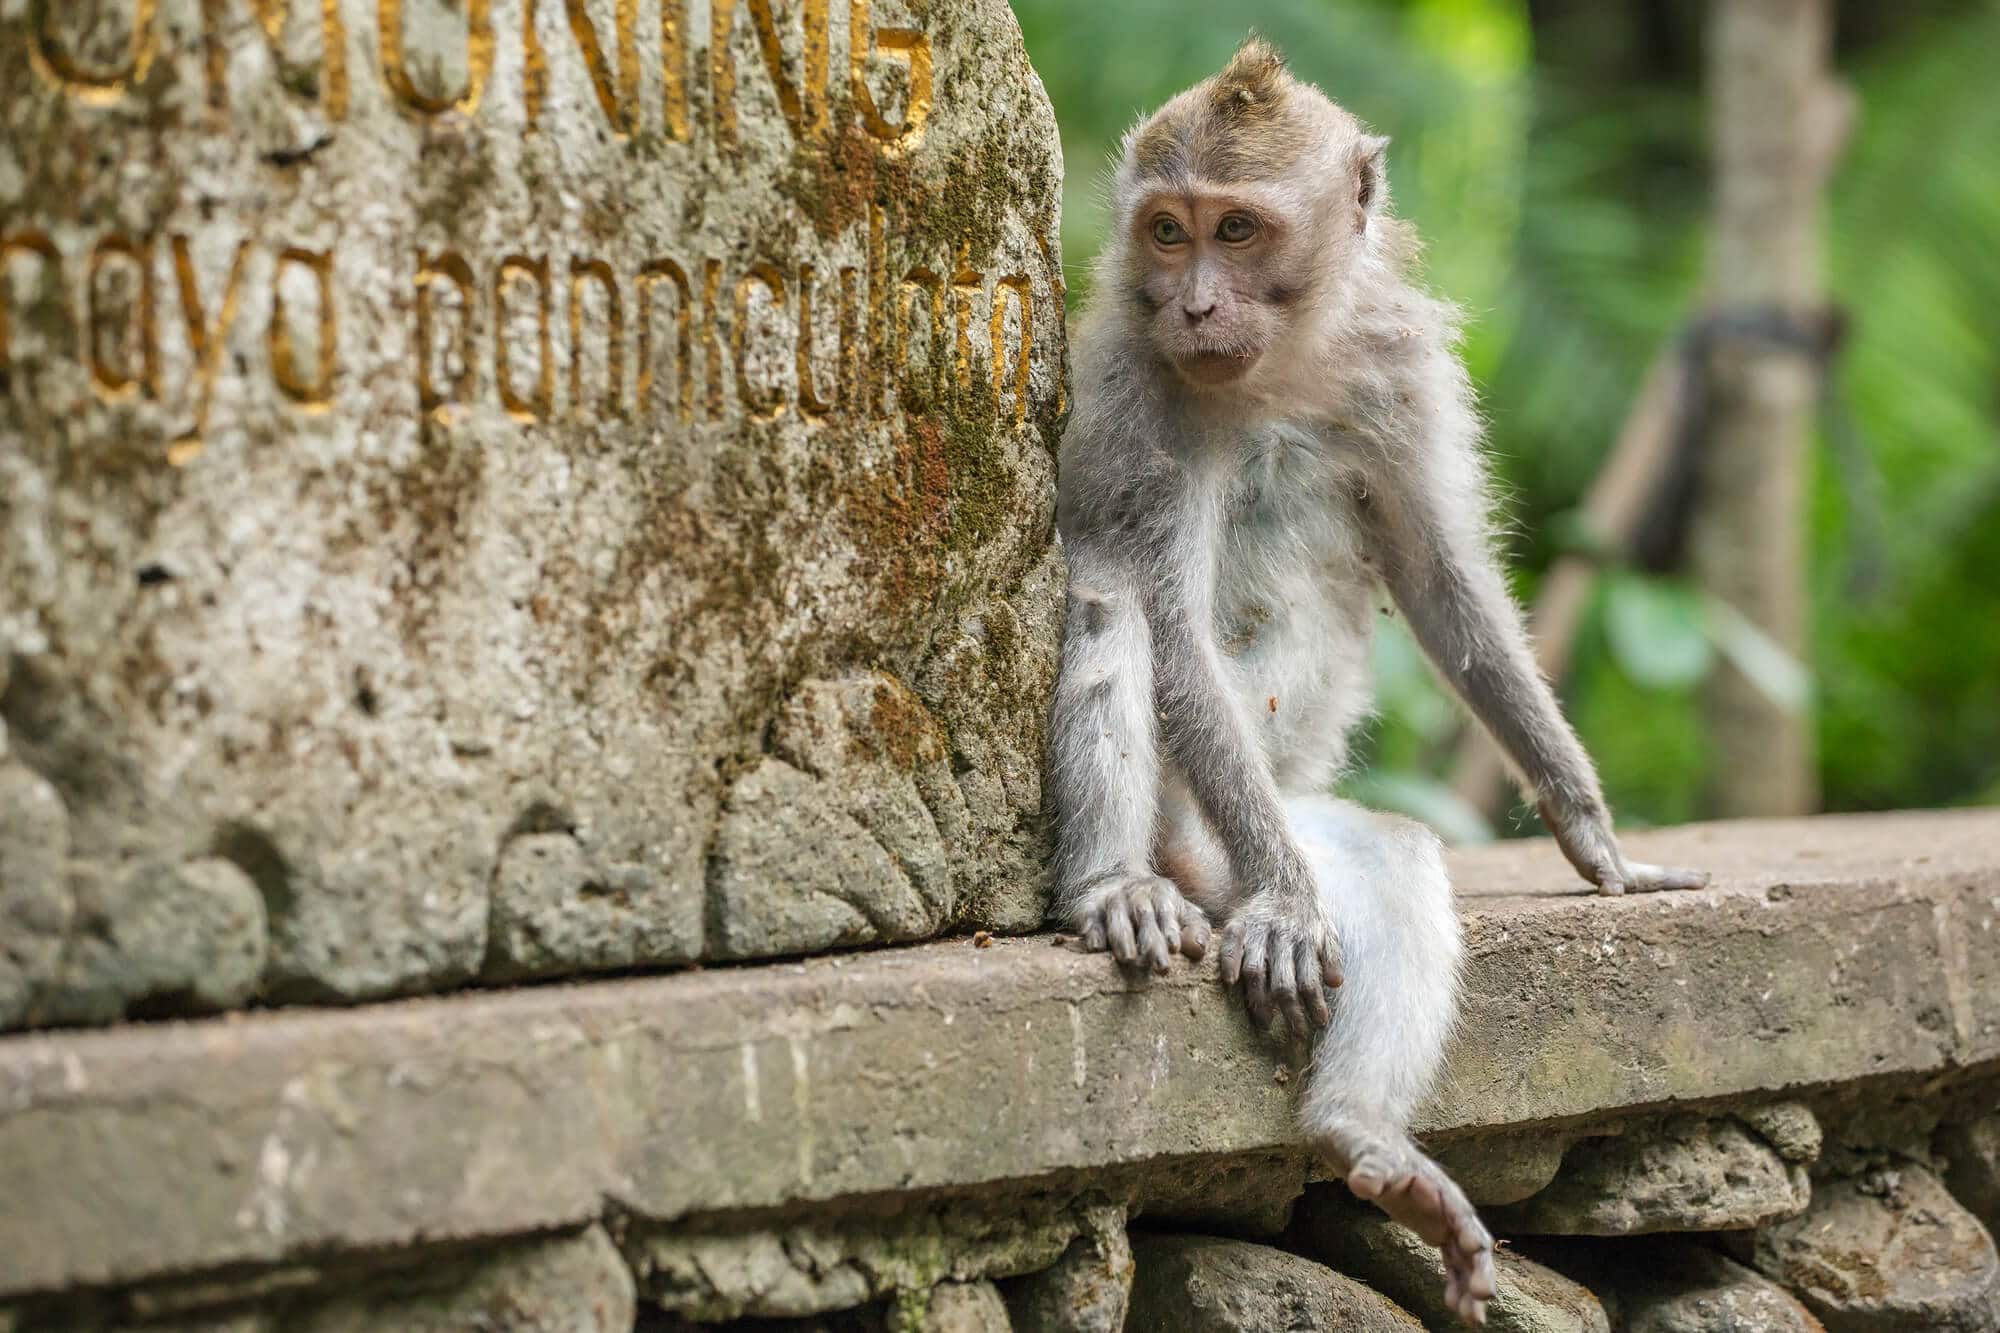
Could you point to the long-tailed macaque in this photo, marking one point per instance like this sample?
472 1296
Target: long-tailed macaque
1271 424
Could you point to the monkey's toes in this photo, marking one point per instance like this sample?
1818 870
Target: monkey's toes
1666 879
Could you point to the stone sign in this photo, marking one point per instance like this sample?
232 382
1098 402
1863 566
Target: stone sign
504 488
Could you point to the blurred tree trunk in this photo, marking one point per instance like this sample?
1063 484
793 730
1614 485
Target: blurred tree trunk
1779 120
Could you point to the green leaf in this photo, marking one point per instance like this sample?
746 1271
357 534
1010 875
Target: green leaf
1658 631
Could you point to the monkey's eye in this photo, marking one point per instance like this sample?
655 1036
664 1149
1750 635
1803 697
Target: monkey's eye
1166 231
1236 228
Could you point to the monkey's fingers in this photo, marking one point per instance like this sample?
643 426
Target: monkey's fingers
1285 987
1152 940
1194 932
1118 926
1332 964
1312 984
1256 965
1231 960
1661 879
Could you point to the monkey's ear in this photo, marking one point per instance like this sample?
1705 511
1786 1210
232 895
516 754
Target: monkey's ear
1370 171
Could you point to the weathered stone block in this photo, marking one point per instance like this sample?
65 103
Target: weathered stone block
1687 1173
1885 1251
1360 1242
1676 1286
815 1265
430 427
957 1307
1088 1290
1971 1154
36 901
1203 1285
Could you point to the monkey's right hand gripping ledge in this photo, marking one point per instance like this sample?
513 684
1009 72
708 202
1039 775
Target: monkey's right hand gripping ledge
1829 952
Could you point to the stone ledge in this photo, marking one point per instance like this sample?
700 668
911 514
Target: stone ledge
1829 951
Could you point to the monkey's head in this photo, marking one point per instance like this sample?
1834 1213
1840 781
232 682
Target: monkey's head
1242 210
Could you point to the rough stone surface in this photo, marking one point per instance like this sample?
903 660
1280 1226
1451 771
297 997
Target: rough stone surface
962 1307
1886 1251
558 908
573 1283
1686 1173
1203 1285
1971 1153
1677 1286
1505 1168
711 1100
1088 1290
186 938
830 1263
1360 1242
462 423
35 898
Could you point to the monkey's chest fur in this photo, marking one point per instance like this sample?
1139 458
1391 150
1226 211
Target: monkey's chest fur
1295 600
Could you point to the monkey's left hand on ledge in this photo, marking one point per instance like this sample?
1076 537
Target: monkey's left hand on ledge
1588 844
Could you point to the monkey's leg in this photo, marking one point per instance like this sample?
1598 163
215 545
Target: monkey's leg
1104 778
1385 880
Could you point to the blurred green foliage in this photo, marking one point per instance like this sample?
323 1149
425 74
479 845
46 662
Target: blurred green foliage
1553 154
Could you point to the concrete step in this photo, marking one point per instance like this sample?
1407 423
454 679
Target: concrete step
1829 951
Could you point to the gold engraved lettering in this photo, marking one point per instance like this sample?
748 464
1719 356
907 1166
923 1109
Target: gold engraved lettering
316 394
208 342
478 58
673 63
36 243
772 405
916 282
96 86
542 403
618 94
651 276
1016 283
711 287
115 374
722 71
804 110
581 272
447 267
272 16
810 403
909 45
966 283
534 66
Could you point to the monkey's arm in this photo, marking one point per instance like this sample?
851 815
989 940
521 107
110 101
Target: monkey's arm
1427 523
1104 773
1280 940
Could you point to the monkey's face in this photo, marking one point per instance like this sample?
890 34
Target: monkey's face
1217 279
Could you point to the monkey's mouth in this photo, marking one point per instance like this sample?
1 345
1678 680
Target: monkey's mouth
1210 366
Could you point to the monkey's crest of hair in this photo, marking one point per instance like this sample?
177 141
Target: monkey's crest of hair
1252 122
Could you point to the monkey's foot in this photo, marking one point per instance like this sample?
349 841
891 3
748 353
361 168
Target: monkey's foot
1661 879
1143 919
1414 1190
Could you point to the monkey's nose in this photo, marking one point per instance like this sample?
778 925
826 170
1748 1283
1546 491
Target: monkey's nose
1197 312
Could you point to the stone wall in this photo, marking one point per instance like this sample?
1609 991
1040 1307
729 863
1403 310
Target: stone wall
1770 1105
495 489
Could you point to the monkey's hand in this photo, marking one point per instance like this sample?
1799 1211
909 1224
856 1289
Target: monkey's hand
1587 841
1284 946
1142 919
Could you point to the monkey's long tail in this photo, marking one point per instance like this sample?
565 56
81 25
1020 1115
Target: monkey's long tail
1385 882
